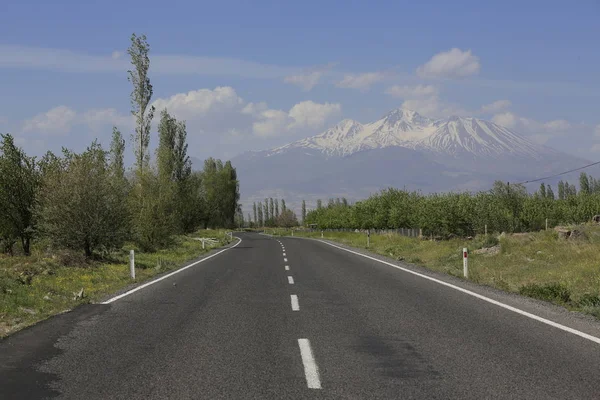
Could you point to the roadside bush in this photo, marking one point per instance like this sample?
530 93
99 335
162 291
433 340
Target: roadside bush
483 241
556 292
589 300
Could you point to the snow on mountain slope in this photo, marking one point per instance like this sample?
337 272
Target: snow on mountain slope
453 136
400 126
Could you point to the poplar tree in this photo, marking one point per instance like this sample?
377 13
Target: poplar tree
140 98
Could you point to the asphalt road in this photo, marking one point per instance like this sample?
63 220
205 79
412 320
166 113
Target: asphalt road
229 328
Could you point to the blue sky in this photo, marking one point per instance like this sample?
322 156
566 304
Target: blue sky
256 74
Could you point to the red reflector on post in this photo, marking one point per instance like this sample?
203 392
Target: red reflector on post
464 254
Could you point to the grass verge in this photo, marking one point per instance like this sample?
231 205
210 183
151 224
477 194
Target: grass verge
541 265
37 287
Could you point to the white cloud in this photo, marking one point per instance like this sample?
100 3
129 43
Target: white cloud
309 78
61 120
540 132
495 107
361 81
116 55
55 121
306 115
196 103
507 119
313 115
271 123
453 63
255 109
412 91
99 118
433 107
597 130
558 125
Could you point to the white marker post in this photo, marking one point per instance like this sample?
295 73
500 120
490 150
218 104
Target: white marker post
321 234
132 264
202 243
466 263
368 237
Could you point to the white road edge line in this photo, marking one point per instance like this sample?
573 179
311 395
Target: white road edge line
481 297
295 304
311 371
287 267
168 275
291 280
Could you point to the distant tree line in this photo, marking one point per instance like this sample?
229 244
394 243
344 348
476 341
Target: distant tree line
269 214
506 207
88 202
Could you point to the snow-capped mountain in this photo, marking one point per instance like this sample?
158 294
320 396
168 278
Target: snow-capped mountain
401 149
456 136
453 136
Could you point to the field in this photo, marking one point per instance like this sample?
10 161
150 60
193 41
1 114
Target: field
36 287
540 265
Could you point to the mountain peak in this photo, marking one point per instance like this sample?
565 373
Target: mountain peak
404 114
454 136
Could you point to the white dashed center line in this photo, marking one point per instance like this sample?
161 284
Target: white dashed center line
311 371
285 259
295 304
290 280
287 267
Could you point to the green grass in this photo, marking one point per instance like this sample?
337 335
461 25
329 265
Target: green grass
539 265
36 287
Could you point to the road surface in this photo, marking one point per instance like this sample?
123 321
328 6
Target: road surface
291 318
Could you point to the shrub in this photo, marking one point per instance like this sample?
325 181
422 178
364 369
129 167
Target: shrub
553 292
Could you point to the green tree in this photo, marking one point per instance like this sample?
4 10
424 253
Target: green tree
549 192
266 212
119 187
584 184
542 191
165 189
572 190
254 210
221 188
287 219
561 190
260 214
19 183
319 204
165 153
276 208
140 98
78 202
304 212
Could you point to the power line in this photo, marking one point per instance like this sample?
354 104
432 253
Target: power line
555 175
